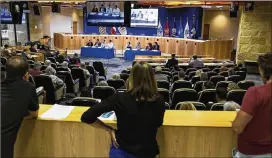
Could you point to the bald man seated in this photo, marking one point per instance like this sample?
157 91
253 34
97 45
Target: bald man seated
18 101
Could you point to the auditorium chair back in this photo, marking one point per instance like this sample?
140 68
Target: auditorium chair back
224 73
207 95
236 96
164 94
175 78
31 66
84 101
222 84
205 69
191 74
52 59
43 67
175 73
195 79
116 83
62 69
246 84
54 65
72 66
198 86
234 78
163 84
40 94
189 70
243 69
125 71
78 73
242 74
210 74
71 84
92 71
217 107
216 79
99 67
4 60
183 94
103 92
30 62
124 76
217 70
180 84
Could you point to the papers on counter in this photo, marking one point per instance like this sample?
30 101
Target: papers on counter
108 116
57 112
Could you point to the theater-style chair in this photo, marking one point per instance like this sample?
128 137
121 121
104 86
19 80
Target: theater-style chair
183 94
234 78
121 90
52 59
116 84
78 73
30 62
84 101
198 105
43 67
31 79
40 93
216 79
224 73
164 93
4 60
175 73
125 71
62 69
124 76
198 86
241 73
245 84
175 78
207 95
205 69
163 84
217 107
167 106
54 65
222 84
103 92
243 69
167 73
52 94
210 74
165 69
180 84
71 84
31 66
217 70
92 72
195 79
191 74
72 66
236 96
99 67
189 70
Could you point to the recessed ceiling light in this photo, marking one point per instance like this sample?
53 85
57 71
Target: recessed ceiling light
219 6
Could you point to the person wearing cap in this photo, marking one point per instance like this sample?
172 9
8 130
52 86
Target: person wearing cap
159 75
36 70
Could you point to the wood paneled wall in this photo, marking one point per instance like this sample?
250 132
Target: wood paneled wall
219 49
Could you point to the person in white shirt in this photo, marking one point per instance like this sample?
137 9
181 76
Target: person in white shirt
108 10
103 44
129 46
116 10
110 44
138 46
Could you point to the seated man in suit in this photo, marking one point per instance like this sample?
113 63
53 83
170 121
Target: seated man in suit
172 62
195 63
97 43
89 44
156 46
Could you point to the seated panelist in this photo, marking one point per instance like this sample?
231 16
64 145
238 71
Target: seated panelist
97 43
110 44
156 46
149 46
89 44
129 46
138 46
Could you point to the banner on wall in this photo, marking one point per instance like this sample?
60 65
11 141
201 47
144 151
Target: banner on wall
102 30
160 30
174 30
193 31
180 30
166 28
187 30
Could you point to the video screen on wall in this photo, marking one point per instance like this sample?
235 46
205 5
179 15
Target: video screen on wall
6 17
144 18
105 13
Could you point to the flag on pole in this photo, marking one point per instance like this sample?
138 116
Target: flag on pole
113 30
160 30
122 30
187 30
180 30
102 30
174 29
193 31
166 28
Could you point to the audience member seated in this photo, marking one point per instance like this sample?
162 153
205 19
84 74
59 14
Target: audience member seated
156 46
172 62
89 44
47 62
103 44
102 83
203 76
129 46
176 69
32 49
59 58
207 85
97 43
221 95
158 75
231 72
111 44
185 106
57 82
6 52
232 86
223 68
86 72
116 76
149 46
19 101
138 46
66 65
198 73
231 106
75 60
36 70
195 63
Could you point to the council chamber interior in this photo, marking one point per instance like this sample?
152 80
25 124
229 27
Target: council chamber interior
106 38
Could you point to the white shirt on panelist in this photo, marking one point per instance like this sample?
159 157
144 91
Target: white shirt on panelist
111 45
116 11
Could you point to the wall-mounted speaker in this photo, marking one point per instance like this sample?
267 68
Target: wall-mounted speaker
36 9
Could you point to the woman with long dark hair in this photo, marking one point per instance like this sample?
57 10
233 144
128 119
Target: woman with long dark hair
139 113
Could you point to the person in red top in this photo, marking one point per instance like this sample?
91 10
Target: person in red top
253 122
36 70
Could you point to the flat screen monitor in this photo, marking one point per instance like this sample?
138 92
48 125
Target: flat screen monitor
147 18
105 13
6 17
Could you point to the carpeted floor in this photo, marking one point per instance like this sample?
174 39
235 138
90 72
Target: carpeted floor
116 65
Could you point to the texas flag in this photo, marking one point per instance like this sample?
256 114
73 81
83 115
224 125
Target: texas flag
113 30
166 28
